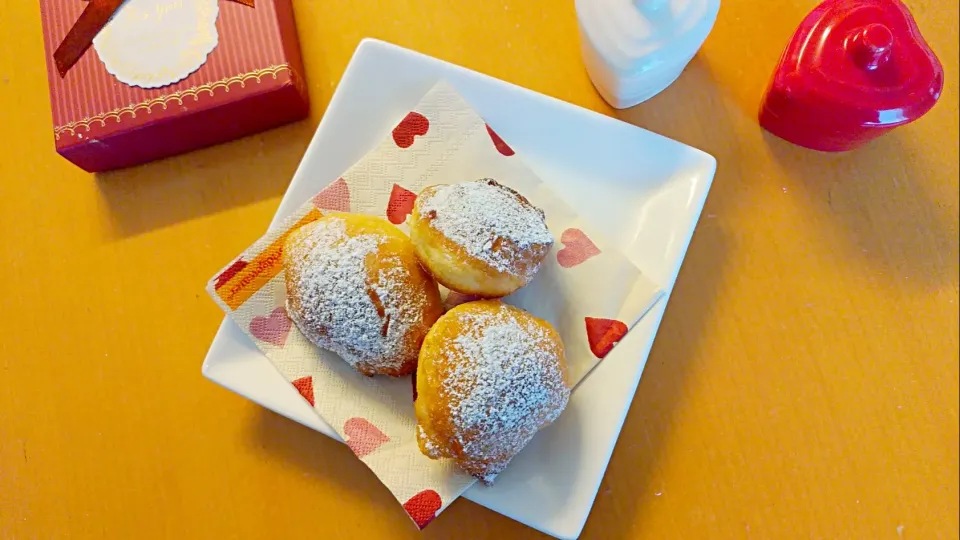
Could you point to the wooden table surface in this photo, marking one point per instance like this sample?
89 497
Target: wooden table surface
804 383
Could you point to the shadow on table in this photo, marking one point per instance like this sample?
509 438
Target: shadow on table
328 461
203 182
887 218
218 178
879 206
630 489
696 111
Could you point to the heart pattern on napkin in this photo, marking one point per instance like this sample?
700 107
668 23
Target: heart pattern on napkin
334 197
363 437
577 248
423 507
502 147
400 204
273 328
411 126
603 334
304 385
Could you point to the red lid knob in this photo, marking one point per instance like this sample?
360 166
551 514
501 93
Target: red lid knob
870 46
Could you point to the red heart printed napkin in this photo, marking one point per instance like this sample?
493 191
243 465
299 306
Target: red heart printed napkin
588 290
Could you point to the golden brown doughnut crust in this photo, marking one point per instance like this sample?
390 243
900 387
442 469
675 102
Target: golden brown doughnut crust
490 376
355 287
488 247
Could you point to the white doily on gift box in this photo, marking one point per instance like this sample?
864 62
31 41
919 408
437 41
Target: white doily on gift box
153 43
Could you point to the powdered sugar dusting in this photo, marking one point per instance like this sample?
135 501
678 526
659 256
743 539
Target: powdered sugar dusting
507 386
478 215
427 443
341 309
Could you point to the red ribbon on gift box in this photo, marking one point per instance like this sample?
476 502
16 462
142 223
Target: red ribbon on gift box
94 17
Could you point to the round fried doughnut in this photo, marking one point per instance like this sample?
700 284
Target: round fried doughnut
355 287
479 237
490 376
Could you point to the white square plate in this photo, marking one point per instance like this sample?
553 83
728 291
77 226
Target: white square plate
643 191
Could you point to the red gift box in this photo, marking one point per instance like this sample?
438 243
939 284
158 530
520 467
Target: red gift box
252 81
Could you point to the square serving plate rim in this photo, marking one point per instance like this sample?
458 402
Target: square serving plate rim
371 46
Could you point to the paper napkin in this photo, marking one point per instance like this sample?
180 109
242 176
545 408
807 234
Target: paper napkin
589 291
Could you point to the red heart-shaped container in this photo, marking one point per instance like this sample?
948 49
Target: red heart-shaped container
854 70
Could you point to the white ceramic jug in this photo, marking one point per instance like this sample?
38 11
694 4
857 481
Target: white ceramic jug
633 49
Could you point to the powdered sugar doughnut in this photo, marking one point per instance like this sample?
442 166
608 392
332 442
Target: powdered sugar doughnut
355 287
479 237
490 376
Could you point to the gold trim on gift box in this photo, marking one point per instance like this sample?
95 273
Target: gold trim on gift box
194 92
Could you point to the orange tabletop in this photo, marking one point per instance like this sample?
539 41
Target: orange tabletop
804 383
